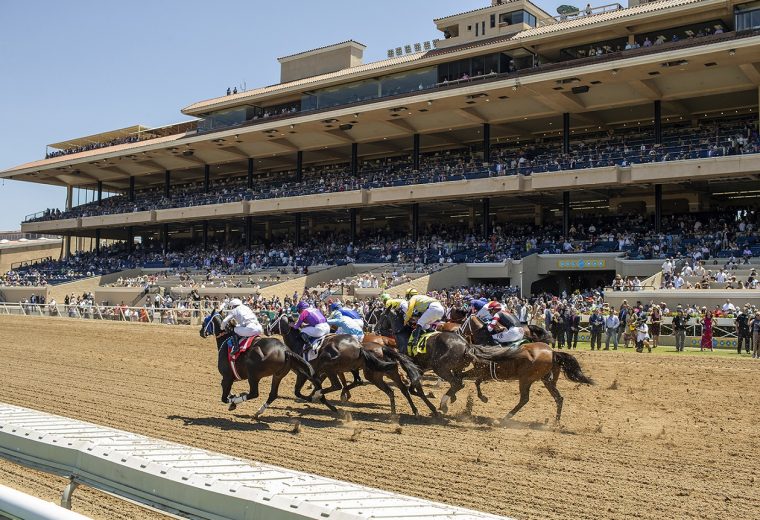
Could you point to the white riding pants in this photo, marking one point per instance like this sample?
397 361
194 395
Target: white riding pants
433 313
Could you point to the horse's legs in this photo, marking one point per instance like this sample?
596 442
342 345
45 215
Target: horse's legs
334 386
396 378
376 378
455 384
300 381
357 377
524 398
550 382
226 389
481 396
253 383
345 395
272 395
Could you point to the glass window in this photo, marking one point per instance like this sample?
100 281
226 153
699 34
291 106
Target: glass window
493 21
408 81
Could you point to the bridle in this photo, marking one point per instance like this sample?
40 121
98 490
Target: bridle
277 322
210 323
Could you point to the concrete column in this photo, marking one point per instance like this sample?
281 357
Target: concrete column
227 232
471 221
657 208
352 216
250 173
298 228
566 132
165 237
97 240
248 232
486 216
131 189
100 193
167 184
130 239
268 230
355 159
658 121
565 213
299 166
487 142
416 151
205 235
206 178
69 205
414 217
538 215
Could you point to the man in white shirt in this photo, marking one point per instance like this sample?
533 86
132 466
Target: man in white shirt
728 306
667 268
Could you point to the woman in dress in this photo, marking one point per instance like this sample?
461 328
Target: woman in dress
707 323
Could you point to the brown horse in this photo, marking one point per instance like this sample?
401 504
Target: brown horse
267 357
474 331
527 364
340 353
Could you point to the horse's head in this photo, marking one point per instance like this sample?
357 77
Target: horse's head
211 325
279 325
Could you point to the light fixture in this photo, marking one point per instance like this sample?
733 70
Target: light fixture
292 126
614 72
430 103
731 52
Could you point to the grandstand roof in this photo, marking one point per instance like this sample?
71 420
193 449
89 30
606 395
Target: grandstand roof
102 137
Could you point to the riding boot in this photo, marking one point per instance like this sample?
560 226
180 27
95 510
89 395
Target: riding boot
415 337
235 345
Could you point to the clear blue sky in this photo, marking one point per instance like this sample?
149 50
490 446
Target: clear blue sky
76 68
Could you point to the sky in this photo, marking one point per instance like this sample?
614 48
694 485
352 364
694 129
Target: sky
71 69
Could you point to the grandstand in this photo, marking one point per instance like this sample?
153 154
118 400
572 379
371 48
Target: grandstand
498 147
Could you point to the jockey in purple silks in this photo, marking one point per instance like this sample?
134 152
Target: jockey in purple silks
311 322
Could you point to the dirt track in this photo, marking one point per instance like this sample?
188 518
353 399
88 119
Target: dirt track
656 438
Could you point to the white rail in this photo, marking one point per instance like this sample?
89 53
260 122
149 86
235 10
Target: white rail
196 483
15 504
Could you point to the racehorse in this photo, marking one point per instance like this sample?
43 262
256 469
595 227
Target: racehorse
527 364
266 357
338 354
447 354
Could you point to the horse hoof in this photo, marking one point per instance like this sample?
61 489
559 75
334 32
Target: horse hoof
231 407
344 398
483 398
454 398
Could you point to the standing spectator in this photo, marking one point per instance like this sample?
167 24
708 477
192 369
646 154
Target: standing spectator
596 322
707 323
679 329
655 317
642 335
623 315
755 327
558 327
549 322
743 334
573 326
611 324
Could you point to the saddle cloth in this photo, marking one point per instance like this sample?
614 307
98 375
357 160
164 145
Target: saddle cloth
420 348
245 345
312 351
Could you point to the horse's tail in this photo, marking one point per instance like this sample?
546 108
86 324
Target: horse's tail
412 372
570 367
372 362
300 365
491 353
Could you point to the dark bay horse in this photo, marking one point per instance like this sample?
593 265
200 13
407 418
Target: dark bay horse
266 357
531 362
447 354
340 353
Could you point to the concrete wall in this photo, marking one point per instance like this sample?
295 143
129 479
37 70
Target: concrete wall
320 61
701 297
25 252
16 294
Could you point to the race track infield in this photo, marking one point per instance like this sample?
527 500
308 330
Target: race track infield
657 437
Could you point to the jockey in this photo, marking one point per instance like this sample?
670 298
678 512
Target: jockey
431 310
346 321
411 293
394 304
488 310
311 323
246 322
504 327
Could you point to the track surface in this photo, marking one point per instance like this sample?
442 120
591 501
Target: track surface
656 438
